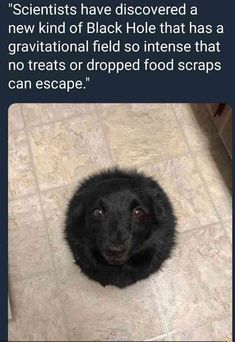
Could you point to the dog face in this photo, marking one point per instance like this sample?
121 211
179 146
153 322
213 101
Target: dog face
120 215
120 226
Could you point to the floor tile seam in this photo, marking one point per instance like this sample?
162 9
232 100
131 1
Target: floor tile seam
16 280
63 119
156 338
206 226
47 233
63 186
150 164
101 124
160 311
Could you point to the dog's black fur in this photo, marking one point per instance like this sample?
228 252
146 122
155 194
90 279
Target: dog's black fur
120 227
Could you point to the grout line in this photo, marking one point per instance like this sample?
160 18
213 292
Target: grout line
199 228
14 279
76 114
53 121
105 137
156 338
219 130
62 187
200 174
57 187
223 125
157 301
22 197
48 237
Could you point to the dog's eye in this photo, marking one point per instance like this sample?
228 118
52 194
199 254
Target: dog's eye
98 213
138 213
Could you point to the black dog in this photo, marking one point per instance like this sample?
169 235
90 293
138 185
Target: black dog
120 227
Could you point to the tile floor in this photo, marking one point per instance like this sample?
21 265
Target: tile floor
51 147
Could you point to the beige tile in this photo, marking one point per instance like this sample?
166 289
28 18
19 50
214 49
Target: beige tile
15 120
55 204
198 127
180 179
195 286
37 312
21 178
38 114
29 252
147 108
111 106
216 331
228 226
137 137
65 151
216 169
119 314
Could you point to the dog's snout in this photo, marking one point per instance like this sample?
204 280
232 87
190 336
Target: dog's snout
119 237
116 250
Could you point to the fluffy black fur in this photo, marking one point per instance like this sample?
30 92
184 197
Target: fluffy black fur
120 227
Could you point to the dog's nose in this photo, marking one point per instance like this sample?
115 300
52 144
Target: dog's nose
115 250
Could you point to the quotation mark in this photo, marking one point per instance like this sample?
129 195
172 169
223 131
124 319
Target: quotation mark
10 5
87 80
